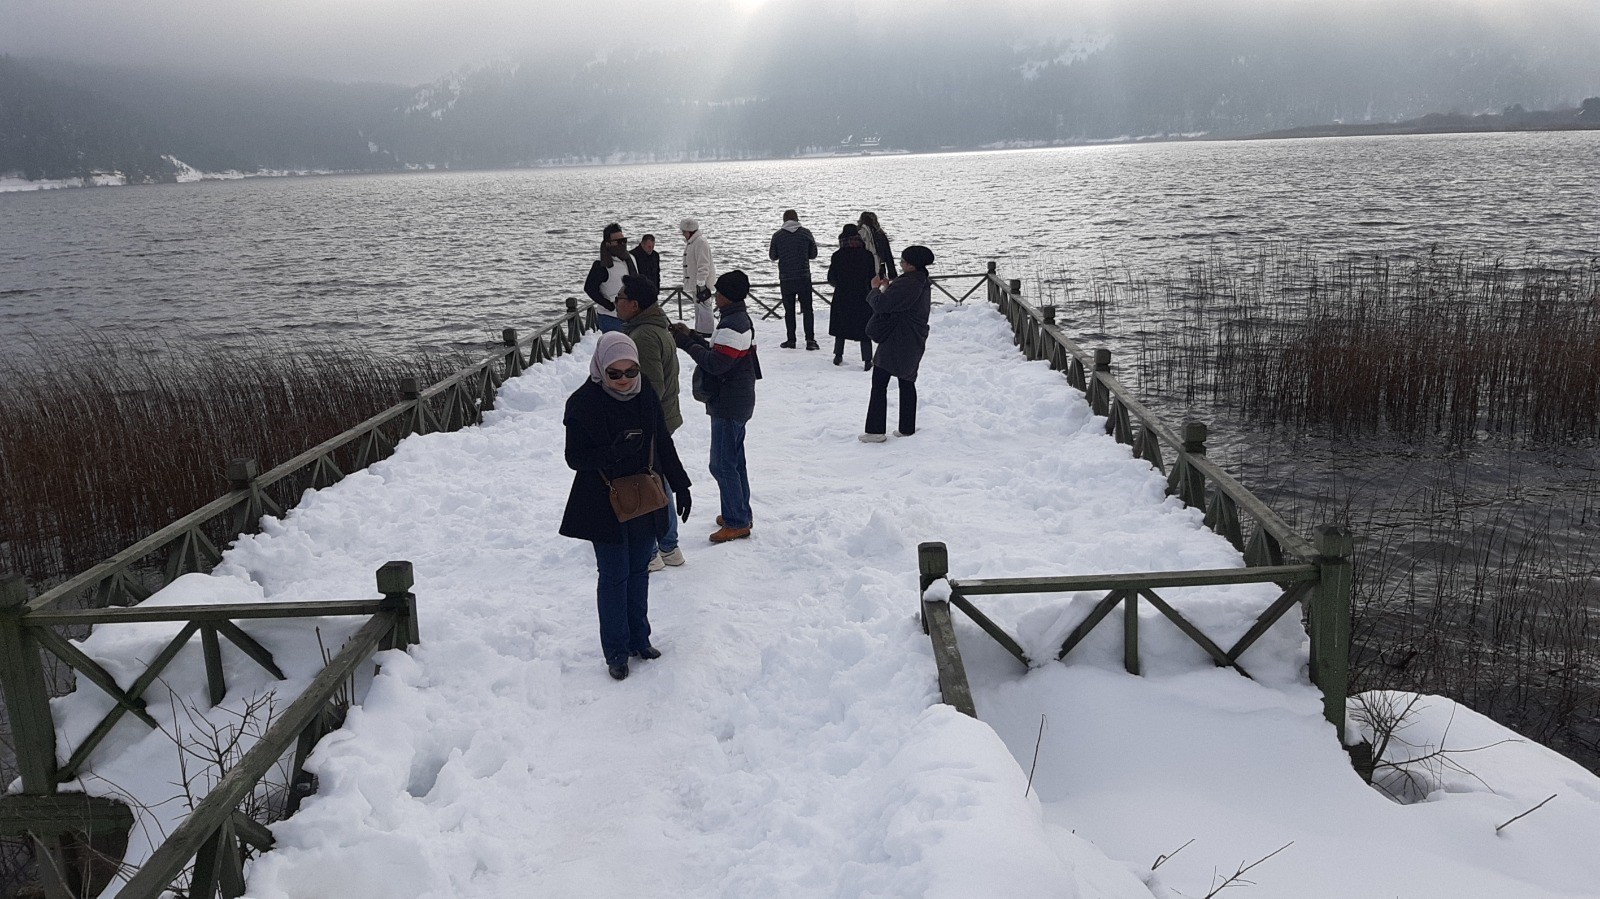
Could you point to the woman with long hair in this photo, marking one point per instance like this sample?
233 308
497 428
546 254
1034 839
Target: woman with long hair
877 243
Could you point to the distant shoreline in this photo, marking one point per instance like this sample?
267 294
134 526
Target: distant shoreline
1432 124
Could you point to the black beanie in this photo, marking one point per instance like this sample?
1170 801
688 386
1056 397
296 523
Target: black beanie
849 231
641 290
734 285
918 255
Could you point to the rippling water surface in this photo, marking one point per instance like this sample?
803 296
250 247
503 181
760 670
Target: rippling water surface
448 259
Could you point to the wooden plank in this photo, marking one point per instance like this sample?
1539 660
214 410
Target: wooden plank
1222 659
91 670
61 813
253 832
248 645
169 859
1136 580
1269 617
953 686
1096 615
80 756
211 612
1130 632
989 627
216 682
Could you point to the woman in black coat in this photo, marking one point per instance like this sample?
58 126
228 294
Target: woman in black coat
613 421
877 244
850 271
899 324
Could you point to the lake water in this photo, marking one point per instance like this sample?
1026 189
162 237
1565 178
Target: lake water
445 260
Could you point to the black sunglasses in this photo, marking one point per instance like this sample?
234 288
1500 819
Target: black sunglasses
623 375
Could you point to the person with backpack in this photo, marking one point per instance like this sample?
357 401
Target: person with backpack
725 375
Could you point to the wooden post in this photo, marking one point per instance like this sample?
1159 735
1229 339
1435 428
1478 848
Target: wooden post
241 472
1330 623
1049 314
409 389
1130 632
933 563
993 285
1015 285
395 580
1099 393
27 696
508 337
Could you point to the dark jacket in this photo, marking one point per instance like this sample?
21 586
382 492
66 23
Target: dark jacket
726 367
598 272
595 423
899 324
649 264
850 273
793 251
658 359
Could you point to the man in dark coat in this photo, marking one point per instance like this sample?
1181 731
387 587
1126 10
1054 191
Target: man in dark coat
725 380
850 272
646 259
899 324
793 248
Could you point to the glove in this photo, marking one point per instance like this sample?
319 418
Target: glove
682 498
703 294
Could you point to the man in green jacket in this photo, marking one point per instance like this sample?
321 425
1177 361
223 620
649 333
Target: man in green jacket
644 321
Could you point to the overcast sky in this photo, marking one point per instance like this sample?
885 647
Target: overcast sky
413 41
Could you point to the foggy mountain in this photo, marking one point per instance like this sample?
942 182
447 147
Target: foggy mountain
803 79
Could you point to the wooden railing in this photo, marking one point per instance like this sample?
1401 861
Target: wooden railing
79 839
774 309
1315 574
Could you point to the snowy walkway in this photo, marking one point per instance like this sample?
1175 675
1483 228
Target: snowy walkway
789 743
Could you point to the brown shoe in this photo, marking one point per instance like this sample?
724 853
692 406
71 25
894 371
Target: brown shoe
723 524
726 533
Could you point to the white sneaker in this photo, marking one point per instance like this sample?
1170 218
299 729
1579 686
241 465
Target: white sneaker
656 564
898 434
874 438
674 558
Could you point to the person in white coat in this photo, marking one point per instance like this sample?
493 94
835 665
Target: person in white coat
698 275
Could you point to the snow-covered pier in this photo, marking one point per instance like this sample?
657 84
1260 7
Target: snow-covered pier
791 740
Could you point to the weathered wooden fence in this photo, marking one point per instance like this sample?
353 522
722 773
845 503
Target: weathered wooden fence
1314 574
774 309
79 840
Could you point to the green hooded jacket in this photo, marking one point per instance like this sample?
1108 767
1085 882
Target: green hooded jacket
658 359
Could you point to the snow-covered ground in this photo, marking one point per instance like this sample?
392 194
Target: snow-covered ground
790 742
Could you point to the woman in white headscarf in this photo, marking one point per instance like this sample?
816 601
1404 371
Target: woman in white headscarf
615 428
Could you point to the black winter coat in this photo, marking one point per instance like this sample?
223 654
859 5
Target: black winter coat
649 264
899 324
850 273
595 423
793 251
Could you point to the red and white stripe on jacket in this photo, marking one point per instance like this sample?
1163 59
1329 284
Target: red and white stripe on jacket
731 343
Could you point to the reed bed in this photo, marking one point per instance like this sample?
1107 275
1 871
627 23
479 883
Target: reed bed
106 439
1426 387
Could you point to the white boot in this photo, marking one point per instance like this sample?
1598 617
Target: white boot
656 564
674 558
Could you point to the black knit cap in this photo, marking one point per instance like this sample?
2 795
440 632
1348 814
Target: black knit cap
918 255
849 231
641 290
734 285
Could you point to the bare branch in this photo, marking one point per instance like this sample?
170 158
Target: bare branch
1526 813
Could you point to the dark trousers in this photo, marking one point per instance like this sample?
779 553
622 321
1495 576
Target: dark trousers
728 467
623 593
878 405
801 291
866 349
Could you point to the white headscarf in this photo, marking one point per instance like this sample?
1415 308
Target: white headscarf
614 347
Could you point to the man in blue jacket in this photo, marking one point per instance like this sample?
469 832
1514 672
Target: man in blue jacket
793 248
726 370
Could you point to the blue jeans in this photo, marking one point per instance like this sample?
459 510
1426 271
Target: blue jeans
623 592
669 541
727 466
609 323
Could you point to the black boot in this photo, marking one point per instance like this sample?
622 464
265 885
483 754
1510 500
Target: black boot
788 344
838 358
618 671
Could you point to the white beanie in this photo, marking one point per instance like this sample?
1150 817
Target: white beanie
689 224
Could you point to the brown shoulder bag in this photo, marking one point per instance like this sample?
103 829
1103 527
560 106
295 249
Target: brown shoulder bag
637 494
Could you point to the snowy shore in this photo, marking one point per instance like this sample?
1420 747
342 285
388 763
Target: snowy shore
790 741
